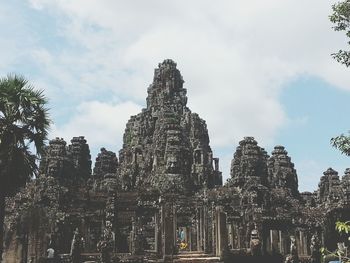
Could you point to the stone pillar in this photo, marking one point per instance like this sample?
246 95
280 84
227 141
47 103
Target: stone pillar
210 158
239 235
280 238
201 228
168 230
221 230
274 242
271 241
213 231
132 237
198 223
193 236
84 231
174 228
205 229
299 240
157 232
217 234
303 243
216 164
264 239
230 233
189 231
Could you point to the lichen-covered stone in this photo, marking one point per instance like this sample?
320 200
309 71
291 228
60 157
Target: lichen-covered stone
249 164
281 171
79 153
55 161
330 187
72 162
106 162
166 146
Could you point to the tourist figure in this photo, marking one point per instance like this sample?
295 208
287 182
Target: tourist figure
76 247
182 235
50 255
183 244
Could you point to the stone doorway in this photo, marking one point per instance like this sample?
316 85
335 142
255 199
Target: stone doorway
187 229
184 238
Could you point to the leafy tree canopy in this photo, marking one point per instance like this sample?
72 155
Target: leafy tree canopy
24 124
342 143
341 18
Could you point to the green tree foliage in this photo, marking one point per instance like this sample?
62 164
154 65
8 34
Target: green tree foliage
341 18
341 227
24 124
342 143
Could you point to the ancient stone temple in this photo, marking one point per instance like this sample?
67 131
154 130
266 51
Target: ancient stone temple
162 198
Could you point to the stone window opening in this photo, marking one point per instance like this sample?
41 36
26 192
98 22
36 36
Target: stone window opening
198 157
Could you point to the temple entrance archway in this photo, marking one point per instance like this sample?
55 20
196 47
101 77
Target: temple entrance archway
191 226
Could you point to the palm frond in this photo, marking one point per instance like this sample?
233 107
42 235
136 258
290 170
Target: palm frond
24 121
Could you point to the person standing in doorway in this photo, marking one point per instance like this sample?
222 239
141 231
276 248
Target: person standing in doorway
50 255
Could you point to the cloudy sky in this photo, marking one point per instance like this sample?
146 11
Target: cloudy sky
257 68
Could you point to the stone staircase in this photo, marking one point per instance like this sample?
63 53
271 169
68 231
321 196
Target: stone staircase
183 257
195 257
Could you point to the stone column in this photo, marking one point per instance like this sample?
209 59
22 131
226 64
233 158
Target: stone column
274 235
238 233
221 229
84 232
271 241
133 236
213 229
174 228
198 221
168 230
303 243
157 240
230 233
205 228
216 164
217 234
280 238
201 228
190 237
300 244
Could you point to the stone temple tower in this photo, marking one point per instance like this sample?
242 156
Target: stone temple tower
166 146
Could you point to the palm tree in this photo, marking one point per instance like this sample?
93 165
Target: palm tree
24 124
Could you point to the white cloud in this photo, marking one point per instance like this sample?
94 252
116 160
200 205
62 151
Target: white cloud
102 124
235 57
309 171
16 38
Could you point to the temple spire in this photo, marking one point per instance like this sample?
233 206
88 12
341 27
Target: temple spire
167 90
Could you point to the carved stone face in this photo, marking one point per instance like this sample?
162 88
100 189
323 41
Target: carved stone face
52 169
172 165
